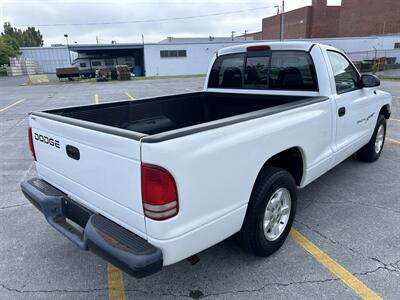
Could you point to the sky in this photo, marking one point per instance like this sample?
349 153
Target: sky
41 14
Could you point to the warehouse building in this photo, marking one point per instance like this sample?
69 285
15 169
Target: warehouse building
47 59
172 56
186 56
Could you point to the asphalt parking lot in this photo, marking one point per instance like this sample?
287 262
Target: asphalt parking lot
351 215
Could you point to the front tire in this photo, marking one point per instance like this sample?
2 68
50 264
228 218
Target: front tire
372 151
270 212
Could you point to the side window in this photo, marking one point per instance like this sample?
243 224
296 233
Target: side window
96 63
82 65
292 70
346 77
256 72
227 72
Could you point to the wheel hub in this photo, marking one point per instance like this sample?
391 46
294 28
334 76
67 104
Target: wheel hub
380 136
277 214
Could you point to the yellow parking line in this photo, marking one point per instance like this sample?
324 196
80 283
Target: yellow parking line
96 99
130 96
11 105
349 279
116 290
393 141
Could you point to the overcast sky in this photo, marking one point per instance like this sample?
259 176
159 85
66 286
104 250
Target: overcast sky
24 12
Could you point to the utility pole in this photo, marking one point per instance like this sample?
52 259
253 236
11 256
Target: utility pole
245 34
97 39
282 20
142 38
232 34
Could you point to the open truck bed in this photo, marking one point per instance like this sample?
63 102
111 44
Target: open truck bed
162 118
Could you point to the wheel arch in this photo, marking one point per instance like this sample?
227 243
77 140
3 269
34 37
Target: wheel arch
291 160
385 111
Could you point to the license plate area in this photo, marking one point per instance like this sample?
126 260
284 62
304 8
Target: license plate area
75 212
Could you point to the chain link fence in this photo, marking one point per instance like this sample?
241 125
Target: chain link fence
376 60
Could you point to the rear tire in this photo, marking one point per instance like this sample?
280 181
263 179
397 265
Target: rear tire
372 151
270 212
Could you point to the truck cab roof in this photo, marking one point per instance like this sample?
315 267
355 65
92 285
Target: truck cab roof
295 45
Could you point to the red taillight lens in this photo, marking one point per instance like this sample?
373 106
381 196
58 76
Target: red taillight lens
159 194
31 147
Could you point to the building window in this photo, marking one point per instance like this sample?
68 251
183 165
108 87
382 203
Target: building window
396 45
96 63
82 65
109 62
172 53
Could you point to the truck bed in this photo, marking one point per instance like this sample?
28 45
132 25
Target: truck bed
162 117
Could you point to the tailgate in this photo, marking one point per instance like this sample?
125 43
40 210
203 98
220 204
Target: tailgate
97 169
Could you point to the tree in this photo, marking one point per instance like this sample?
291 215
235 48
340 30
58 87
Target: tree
11 39
6 51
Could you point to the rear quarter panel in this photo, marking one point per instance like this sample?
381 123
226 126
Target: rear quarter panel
215 170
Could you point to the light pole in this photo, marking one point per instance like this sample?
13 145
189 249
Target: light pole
66 37
281 14
69 54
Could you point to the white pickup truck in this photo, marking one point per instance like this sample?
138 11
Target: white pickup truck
150 182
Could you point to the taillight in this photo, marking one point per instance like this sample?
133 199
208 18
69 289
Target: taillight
159 194
31 147
258 48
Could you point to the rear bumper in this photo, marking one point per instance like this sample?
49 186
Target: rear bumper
122 248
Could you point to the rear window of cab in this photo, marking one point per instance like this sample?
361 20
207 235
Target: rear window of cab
272 70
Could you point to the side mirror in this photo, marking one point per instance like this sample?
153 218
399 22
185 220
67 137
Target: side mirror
369 81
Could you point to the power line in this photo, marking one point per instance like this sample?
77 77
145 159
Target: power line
144 21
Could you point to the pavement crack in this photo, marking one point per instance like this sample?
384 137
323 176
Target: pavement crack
233 292
14 206
280 284
331 240
361 204
391 267
317 232
21 291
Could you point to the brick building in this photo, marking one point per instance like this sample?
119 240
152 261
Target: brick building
352 18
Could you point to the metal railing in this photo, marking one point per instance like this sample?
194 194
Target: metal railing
376 60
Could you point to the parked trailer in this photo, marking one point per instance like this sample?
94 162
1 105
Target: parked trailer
67 72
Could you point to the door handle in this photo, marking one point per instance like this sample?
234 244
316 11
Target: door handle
342 111
73 152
